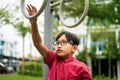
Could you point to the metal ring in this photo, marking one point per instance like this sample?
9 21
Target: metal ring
81 18
35 15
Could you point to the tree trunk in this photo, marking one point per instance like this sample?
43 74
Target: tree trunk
23 60
99 69
109 64
88 59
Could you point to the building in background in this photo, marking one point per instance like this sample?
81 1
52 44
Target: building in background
8 54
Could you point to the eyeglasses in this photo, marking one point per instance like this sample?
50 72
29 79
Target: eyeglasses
62 43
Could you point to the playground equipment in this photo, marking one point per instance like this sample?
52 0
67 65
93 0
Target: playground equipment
61 3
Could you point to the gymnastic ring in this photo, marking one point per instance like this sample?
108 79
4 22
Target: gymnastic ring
35 15
81 18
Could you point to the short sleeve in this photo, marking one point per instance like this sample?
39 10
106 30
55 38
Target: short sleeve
50 58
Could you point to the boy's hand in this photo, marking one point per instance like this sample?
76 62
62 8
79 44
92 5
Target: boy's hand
31 11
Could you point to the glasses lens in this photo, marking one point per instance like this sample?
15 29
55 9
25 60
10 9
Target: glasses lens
63 42
57 43
60 43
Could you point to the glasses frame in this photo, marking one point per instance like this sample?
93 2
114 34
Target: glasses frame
62 43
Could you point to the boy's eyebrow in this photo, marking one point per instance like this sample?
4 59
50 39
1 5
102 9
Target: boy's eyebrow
62 40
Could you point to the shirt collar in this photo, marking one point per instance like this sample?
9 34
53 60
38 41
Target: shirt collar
66 60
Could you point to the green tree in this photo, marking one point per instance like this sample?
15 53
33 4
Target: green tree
107 13
111 50
81 55
5 16
23 30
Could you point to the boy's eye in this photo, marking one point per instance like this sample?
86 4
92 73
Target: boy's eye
60 43
63 41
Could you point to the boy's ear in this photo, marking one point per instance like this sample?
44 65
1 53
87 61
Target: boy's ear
75 47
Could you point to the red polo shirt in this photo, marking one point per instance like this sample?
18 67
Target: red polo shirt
66 69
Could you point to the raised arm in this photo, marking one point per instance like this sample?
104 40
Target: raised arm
37 41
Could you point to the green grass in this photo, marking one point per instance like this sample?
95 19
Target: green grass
18 77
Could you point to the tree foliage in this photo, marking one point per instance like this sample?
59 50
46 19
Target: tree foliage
92 52
22 29
100 13
4 16
81 55
8 16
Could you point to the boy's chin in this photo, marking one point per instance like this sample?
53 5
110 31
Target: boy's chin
60 55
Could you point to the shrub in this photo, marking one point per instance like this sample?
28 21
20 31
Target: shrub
32 69
102 77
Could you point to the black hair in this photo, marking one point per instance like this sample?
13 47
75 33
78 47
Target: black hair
69 36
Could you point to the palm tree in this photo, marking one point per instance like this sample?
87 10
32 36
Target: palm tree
23 30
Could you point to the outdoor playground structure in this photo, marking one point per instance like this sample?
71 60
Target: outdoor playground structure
54 4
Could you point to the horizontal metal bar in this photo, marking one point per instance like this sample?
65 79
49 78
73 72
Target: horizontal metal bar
56 3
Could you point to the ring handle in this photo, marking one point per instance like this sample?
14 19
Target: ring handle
35 15
81 18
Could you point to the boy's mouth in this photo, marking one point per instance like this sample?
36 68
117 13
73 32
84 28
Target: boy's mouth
59 51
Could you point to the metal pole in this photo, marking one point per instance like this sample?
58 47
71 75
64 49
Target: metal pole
57 3
47 32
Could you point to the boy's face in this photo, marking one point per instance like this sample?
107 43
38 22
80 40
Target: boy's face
63 48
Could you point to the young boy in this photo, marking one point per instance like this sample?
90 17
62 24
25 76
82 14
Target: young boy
62 66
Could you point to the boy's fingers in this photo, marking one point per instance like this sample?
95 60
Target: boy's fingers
29 8
33 8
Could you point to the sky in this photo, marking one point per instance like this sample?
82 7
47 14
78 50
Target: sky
10 34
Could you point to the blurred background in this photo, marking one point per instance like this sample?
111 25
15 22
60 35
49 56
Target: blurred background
98 34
